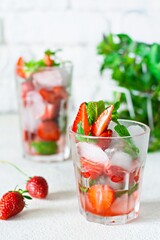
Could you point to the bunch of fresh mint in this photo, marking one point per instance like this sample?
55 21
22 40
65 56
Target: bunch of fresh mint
135 66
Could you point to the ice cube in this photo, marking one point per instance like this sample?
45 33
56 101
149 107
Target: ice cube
115 185
26 87
120 205
35 104
92 152
122 159
135 130
48 78
30 123
138 139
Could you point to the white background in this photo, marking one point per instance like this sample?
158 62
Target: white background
28 27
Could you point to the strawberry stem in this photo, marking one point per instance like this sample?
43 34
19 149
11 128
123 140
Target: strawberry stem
17 168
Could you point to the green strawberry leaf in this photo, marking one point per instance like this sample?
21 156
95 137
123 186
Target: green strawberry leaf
27 197
94 109
45 148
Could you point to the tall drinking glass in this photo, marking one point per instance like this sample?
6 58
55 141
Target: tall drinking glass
44 106
109 173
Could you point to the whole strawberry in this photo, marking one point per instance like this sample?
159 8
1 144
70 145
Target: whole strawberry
37 187
12 203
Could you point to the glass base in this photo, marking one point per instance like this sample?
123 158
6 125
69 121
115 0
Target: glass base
115 220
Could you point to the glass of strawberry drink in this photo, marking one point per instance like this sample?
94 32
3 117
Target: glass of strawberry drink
109 157
44 89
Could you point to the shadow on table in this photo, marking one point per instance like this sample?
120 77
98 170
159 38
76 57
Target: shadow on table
149 212
62 195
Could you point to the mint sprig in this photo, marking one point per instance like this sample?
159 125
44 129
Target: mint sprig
94 109
129 191
50 53
122 131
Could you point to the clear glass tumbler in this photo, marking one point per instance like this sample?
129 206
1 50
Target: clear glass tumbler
109 173
44 107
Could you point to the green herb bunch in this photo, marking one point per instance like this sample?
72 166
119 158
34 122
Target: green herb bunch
135 66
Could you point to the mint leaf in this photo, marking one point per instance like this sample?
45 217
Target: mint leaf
129 147
115 114
121 130
129 192
133 189
45 148
49 52
94 109
116 106
33 66
80 129
83 189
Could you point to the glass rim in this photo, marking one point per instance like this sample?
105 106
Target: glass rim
146 130
62 64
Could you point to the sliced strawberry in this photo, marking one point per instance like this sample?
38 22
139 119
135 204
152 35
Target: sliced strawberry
91 169
104 143
48 95
82 117
102 122
48 131
115 173
28 136
61 92
48 61
20 68
51 111
26 87
100 197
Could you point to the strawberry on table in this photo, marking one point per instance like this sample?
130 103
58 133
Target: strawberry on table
48 131
12 203
82 118
37 187
100 197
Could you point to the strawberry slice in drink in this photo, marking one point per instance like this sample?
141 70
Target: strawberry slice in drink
48 131
26 87
91 169
51 111
20 68
48 95
60 92
83 118
101 198
104 143
115 173
102 122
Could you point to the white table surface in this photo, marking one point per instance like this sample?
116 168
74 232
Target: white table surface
58 217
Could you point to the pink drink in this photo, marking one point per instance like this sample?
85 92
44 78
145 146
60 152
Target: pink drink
43 98
109 173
